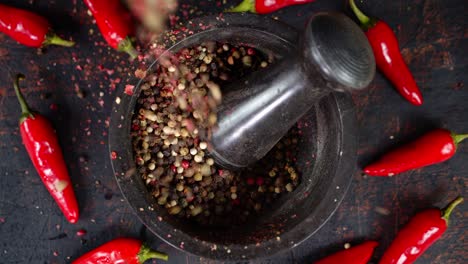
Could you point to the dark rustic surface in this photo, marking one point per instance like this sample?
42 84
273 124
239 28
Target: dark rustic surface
433 37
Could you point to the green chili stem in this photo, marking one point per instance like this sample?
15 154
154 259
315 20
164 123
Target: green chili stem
127 46
365 20
24 106
457 138
56 40
147 253
448 210
245 6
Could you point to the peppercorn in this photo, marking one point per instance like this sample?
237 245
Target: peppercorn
174 114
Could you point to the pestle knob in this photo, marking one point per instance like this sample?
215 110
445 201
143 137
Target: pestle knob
258 111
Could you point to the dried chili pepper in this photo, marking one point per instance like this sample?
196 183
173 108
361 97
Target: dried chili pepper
436 146
359 254
28 28
120 250
266 6
418 235
115 24
44 150
388 57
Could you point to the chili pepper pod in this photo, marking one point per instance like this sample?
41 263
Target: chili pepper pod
28 28
418 235
359 254
265 6
44 150
388 57
434 147
120 250
115 24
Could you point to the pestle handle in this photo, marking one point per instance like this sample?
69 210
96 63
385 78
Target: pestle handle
252 120
259 110
337 47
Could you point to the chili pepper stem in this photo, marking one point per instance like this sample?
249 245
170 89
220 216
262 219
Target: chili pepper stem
245 6
457 138
366 22
147 253
53 39
127 46
448 210
25 112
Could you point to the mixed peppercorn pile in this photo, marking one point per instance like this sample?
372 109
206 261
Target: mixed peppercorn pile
174 115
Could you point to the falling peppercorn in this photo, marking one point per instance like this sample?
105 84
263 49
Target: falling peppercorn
174 114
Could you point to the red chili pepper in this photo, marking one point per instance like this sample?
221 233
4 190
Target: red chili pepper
120 250
28 28
388 57
359 254
418 235
43 148
266 6
115 24
436 146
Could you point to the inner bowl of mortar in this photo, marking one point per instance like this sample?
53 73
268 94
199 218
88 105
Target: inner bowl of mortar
326 159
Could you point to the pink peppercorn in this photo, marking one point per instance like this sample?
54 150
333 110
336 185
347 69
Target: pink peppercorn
250 181
81 232
259 181
236 201
185 164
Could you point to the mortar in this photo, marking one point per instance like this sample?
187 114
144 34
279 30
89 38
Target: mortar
326 160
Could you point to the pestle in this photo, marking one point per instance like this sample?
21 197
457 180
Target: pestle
333 56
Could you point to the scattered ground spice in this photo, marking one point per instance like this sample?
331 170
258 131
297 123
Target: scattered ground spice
170 131
81 232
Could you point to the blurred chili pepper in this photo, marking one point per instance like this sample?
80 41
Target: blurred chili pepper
115 24
418 235
436 146
120 250
388 57
266 6
44 150
28 28
359 254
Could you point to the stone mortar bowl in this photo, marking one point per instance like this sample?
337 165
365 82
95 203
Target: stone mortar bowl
326 159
